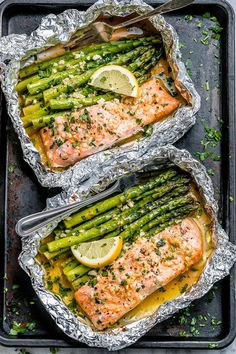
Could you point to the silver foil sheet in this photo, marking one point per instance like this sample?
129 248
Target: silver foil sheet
218 266
14 49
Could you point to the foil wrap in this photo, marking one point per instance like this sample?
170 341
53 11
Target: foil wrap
217 267
14 49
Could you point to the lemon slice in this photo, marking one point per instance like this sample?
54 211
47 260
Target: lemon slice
117 79
99 253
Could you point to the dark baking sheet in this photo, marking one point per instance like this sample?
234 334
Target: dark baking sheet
21 194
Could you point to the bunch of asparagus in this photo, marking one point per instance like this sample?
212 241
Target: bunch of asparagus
141 210
61 83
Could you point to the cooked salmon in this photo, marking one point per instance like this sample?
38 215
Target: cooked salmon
146 266
82 133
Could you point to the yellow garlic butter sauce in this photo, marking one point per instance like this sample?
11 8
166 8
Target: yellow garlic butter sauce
54 271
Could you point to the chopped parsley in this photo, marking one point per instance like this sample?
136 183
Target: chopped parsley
51 121
147 130
21 328
213 345
188 18
184 288
69 89
161 243
210 141
92 282
103 79
138 121
49 283
45 73
63 291
123 282
207 85
131 112
85 117
11 167
59 142
92 143
66 127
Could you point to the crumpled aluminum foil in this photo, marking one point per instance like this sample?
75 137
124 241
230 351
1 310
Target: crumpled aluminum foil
57 29
217 267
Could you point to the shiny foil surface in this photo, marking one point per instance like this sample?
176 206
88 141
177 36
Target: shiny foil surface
17 49
134 159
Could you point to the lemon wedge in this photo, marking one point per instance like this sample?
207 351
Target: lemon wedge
99 253
117 79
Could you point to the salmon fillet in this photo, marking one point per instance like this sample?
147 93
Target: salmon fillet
148 265
84 132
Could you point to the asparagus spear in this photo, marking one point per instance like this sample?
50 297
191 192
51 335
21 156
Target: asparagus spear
74 263
68 103
182 211
116 214
32 108
44 120
100 219
142 72
177 181
123 218
136 225
40 85
60 49
113 224
51 255
43 248
112 202
77 272
68 260
140 61
158 191
27 120
84 78
179 215
78 282
150 229
35 67
42 111
144 206
31 99
22 85
174 217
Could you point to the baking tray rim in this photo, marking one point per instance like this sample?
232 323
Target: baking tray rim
183 343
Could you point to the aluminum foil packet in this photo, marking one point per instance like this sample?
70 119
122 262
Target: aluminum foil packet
16 49
217 267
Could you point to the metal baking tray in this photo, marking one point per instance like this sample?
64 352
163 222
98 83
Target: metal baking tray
21 194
